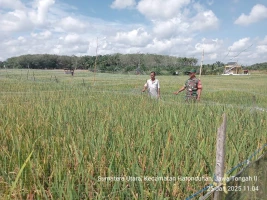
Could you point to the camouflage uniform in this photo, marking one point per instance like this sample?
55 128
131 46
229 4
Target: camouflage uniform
191 86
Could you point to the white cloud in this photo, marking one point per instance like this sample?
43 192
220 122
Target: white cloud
213 56
258 12
137 37
161 9
21 39
239 45
181 24
264 41
22 18
173 46
209 46
71 24
42 35
14 47
204 21
16 20
162 46
11 4
41 8
262 49
170 28
121 4
72 38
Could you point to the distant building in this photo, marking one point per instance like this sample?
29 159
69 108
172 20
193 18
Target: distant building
233 68
69 71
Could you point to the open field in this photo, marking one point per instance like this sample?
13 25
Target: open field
61 136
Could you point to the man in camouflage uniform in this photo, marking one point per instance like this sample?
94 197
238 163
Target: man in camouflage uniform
192 86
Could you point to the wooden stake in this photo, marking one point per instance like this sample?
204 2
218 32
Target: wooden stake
220 157
95 58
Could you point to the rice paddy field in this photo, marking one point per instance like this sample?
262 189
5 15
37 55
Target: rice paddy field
96 136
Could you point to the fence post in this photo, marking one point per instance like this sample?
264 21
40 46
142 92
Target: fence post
83 83
220 157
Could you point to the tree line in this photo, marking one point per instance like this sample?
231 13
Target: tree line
114 63
258 66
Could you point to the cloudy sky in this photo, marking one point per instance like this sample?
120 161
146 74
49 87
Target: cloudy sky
227 30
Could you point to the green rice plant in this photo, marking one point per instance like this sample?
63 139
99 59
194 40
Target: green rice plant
61 140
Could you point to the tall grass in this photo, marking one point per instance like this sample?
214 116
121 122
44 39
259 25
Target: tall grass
60 139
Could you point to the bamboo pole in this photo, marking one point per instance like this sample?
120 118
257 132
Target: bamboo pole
200 70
